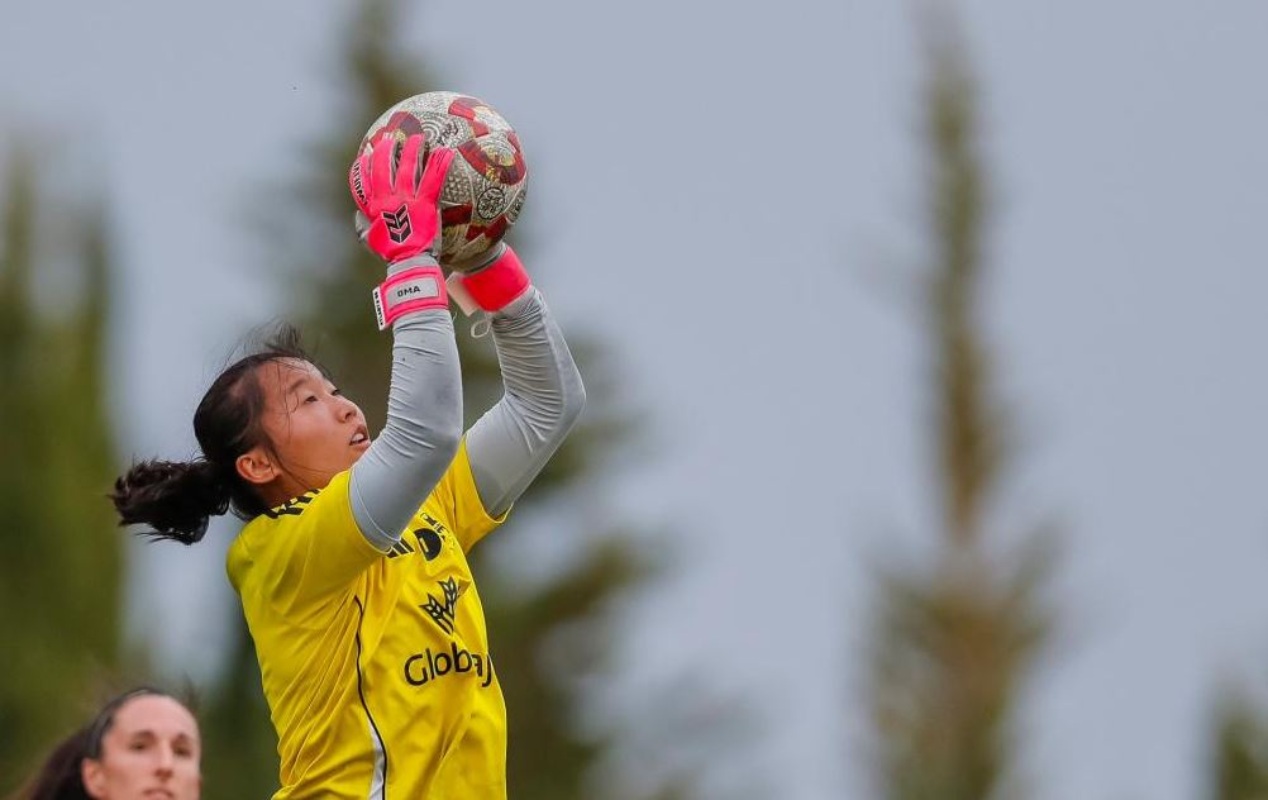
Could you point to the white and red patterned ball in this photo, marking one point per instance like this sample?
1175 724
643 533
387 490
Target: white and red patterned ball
485 187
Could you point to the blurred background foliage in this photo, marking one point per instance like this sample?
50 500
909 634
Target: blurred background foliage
60 561
955 638
1239 746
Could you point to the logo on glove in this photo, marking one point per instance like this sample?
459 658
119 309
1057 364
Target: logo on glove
398 226
358 188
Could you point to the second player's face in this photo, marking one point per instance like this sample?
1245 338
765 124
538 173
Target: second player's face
150 751
315 431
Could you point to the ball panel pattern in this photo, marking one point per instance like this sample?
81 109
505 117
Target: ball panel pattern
486 185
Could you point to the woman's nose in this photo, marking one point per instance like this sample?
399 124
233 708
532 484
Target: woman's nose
346 408
166 761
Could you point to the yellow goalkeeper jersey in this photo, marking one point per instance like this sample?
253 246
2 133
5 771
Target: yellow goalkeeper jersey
375 665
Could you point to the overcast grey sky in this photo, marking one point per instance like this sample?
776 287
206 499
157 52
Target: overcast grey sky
716 189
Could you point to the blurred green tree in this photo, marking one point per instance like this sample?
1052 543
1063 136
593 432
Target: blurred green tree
534 626
1239 755
60 553
954 641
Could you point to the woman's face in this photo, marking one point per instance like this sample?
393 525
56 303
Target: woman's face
315 432
150 752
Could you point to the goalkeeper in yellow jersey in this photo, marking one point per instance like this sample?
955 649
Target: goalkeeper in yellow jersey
352 570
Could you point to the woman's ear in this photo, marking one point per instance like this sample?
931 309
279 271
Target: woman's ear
90 773
257 466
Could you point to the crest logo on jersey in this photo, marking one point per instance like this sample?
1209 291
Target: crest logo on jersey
429 540
442 610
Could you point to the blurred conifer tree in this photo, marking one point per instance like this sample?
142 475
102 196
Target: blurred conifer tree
954 640
60 553
1239 757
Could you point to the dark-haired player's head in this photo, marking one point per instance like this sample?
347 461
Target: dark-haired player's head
271 426
141 744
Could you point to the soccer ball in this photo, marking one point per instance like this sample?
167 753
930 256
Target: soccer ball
485 187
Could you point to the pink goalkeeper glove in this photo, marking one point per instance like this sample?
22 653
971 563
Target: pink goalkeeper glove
401 200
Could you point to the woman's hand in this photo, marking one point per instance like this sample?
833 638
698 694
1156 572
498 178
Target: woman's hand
400 198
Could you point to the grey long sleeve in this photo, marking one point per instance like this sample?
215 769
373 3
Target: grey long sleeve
423 430
543 397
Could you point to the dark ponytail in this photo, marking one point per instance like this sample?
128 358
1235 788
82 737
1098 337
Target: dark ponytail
177 499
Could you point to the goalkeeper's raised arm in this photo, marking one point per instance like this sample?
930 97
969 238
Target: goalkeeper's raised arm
542 390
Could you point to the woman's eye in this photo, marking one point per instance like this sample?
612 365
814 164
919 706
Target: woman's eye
337 392
312 398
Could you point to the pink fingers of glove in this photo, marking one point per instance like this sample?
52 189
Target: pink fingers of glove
401 203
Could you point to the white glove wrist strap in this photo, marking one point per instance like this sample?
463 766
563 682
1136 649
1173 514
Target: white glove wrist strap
414 289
